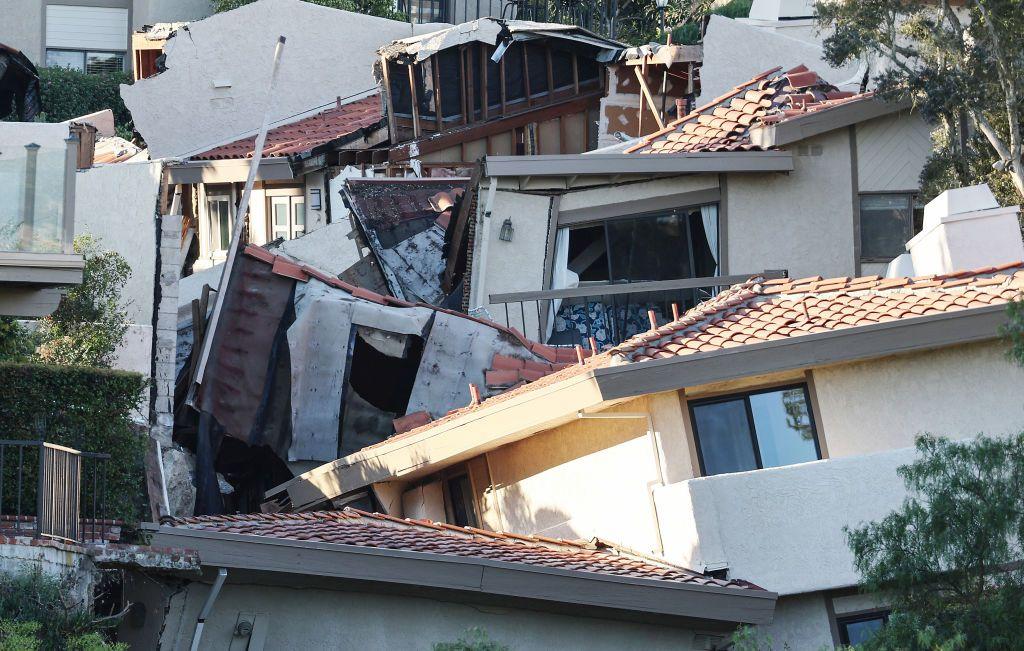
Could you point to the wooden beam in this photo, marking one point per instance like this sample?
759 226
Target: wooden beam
390 107
459 229
416 131
575 75
438 112
483 82
650 100
501 76
551 72
526 77
465 88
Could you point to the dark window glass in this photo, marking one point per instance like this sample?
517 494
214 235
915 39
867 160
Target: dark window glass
886 223
589 69
860 629
493 81
537 62
783 425
513 59
763 429
725 437
460 498
561 68
450 73
649 248
98 63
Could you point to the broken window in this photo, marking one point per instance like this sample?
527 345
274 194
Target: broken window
459 501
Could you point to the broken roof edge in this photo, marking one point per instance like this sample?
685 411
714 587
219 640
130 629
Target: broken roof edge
624 163
829 118
474 575
484 429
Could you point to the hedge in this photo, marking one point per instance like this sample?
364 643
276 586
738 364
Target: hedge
68 94
84 408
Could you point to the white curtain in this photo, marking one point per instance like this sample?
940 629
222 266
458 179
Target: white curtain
709 215
561 276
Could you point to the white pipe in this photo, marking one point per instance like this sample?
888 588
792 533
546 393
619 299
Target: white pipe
222 575
163 479
236 235
652 436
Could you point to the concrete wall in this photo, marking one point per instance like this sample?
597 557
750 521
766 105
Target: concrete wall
218 72
315 618
22 27
882 405
891 152
802 221
148 12
801 622
52 559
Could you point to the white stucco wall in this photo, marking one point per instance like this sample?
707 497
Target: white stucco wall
313 618
891 152
801 623
883 404
235 49
148 12
801 221
22 27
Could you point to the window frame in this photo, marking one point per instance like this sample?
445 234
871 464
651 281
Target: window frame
856 617
85 56
745 396
449 509
911 195
219 192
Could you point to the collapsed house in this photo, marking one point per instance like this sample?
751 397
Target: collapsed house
303 368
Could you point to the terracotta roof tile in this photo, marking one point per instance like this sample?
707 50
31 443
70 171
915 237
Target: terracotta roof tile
307 133
359 528
724 123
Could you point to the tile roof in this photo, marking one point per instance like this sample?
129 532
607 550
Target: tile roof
307 133
385 203
355 527
724 123
758 311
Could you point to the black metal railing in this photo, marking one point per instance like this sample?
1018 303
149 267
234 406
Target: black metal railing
609 313
52 491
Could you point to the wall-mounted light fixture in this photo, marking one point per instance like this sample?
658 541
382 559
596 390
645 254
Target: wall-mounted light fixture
506 231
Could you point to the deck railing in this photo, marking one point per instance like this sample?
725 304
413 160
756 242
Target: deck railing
53 491
609 313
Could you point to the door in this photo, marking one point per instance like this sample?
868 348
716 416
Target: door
287 217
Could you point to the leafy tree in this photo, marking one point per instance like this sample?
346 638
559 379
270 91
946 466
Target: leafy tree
90 321
474 639
948 560
382 8
961 65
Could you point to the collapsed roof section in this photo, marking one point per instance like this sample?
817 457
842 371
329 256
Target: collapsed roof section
312 368
726 123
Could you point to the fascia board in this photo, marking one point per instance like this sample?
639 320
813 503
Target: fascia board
805 351
606 164
822 121
241 551
229 170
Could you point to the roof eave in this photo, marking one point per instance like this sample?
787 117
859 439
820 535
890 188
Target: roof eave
653 164
585 590
822 121
229 170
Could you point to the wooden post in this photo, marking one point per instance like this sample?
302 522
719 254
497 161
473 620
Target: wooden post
416 132
465 88
646 92
485 97
526 77
438 117
389 105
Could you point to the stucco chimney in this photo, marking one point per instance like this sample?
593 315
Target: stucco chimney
964 228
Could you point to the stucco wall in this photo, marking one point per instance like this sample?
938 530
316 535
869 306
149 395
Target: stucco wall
802 221
801 623
891 152
147 12
312 618
883 404
235 49
22 27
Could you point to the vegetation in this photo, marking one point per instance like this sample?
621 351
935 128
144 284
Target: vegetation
40 613
690 32
962 67
89 324
382 8
84 408
67 94
474 639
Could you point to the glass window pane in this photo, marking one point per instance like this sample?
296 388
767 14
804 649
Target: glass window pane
649 248
725 438
783 425
300 212
461 498
859 632
885 225
280 212
98 63
65 59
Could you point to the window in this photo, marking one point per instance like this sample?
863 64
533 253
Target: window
424 11
89 39
459 501
858 629
887 222
287 217
94 63
218 205
762 429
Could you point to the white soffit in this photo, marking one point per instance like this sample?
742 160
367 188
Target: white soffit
86 28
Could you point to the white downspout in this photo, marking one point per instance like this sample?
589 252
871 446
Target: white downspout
222 575
653 437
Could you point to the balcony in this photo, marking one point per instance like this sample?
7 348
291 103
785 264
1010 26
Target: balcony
781 528
38 162
608 312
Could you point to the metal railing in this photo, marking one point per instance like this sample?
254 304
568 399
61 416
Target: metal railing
609 313
52 491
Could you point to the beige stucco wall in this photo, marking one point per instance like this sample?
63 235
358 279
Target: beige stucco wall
884 404
148 12
801 221
315 618
891 152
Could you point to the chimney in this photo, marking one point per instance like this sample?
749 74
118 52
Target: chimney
964 228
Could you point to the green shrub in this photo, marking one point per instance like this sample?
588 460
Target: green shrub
70 94
689 34
474 639
41 612
84 408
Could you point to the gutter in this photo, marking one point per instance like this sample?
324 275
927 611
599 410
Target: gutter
229 170
610 164
618 597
